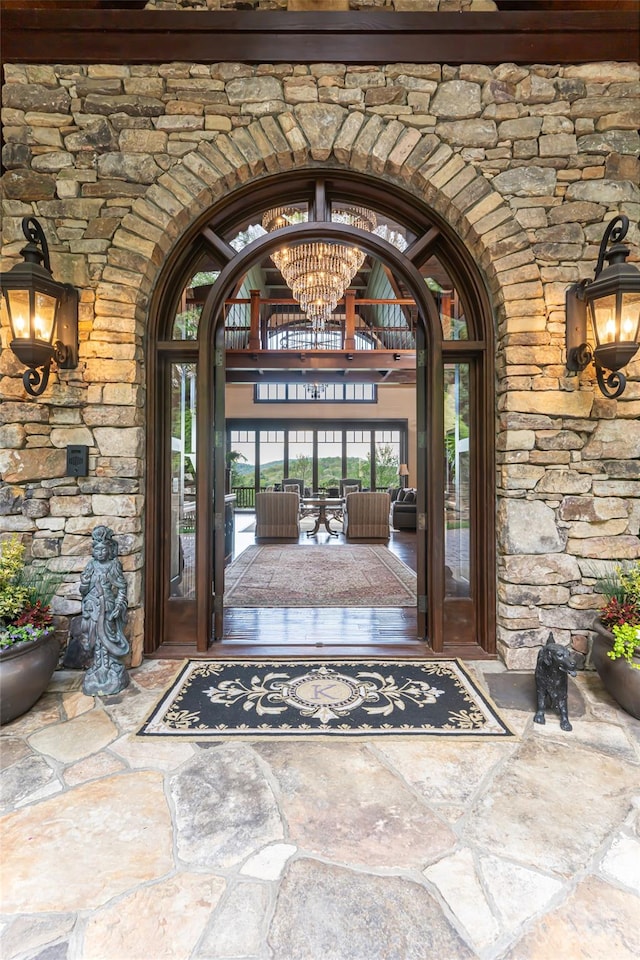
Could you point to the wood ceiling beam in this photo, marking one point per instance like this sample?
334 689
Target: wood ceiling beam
143 36
312 360
325 376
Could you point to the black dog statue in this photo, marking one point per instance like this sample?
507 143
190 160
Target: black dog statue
553 664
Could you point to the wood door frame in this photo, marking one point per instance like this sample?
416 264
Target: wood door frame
208 351
209 324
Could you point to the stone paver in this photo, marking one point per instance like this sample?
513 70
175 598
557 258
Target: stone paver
349 807
70 741
237 929
622 863
29 933
23 778
598 921
163 920
12 749
518 892
225 808
456 880
449 772
92 768
269 863
330 912
91 843
288 850
552 805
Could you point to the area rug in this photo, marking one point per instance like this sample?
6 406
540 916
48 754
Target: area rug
303 575
311 698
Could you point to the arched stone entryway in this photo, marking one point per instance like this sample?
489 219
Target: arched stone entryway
178 206
477 350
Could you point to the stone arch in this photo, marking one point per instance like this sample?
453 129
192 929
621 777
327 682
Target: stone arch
178 203
315 134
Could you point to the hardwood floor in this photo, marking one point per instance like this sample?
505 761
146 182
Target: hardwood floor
295 631
359 632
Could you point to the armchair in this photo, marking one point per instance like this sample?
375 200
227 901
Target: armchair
349 482
366 516
295 481
277 515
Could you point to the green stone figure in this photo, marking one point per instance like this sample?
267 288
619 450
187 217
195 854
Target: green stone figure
103 589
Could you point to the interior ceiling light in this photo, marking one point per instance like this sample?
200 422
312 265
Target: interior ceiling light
318 273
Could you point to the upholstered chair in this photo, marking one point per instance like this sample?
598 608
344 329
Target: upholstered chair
366 516
349 482
295 481
277 515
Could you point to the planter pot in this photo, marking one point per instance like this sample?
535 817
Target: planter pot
618 678
25 672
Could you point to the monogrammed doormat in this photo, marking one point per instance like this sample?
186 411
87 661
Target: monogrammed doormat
211 699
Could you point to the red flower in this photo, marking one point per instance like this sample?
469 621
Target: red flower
36 615
617 613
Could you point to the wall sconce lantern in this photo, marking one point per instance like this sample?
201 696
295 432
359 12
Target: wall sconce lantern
43 313
611 301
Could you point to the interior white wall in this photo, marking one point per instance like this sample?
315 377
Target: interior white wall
395 402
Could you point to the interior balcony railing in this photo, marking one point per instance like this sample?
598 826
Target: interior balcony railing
246 496
259 323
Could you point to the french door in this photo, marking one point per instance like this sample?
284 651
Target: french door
430 274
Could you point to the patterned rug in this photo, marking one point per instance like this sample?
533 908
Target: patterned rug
303 575
311 698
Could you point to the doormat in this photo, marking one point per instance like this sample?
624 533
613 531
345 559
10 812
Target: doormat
213 699
303 575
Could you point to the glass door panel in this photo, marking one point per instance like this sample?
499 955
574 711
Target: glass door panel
271 458
387 459
241 466
458 502
300 463
359 456
183 480
329 461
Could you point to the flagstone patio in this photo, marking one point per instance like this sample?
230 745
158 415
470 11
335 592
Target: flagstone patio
117 848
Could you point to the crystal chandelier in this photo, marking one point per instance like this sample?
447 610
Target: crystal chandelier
318 273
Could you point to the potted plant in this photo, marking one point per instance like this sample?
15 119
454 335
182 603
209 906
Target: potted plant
616 646
28 649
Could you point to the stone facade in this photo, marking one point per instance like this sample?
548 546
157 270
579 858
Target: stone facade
525 163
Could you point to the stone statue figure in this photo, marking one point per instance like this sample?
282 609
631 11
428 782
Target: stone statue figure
104 612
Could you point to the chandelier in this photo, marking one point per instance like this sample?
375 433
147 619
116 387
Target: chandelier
315 391
318 273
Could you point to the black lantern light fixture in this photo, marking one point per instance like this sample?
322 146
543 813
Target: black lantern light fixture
612 303
43 313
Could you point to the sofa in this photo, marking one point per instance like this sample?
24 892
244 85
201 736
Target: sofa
366 516
404 509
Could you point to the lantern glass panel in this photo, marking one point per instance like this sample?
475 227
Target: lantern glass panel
18 304
604 317
44 316
630 317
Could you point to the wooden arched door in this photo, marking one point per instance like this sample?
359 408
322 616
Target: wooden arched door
454 374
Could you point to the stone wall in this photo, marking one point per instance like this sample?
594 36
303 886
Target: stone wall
525 163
